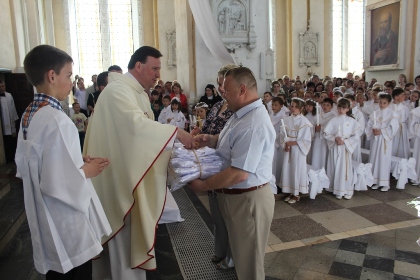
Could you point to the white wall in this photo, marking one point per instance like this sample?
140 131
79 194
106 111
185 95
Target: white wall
7 48
166 23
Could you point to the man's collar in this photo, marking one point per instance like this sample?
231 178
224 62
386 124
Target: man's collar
248 108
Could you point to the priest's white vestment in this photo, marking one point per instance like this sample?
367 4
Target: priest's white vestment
133 188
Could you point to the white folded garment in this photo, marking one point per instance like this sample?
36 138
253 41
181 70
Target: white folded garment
187 165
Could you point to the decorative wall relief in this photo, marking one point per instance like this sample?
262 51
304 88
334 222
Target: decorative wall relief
309 46
234 20
171 37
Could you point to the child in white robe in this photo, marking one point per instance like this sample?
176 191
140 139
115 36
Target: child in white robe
320 147
414 127
311 114
343 135
296 143
276 116
380 130
368 109
176 117
65 216
400 143
336 95
268 96
163 116
360 118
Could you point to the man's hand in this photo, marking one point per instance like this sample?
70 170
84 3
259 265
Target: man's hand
195 131
95 167
206 140
197 185
185 138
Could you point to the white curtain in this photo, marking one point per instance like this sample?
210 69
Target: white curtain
206 24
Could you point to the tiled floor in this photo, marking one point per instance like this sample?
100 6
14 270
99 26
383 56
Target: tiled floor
372 236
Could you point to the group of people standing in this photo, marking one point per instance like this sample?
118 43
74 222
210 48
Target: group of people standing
319 132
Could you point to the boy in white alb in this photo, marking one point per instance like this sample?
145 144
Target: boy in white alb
414 127
343 135
164 114
320 147
380 130
360 118
64 214
276 116
401 143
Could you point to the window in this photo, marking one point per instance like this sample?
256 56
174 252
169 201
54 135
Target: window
348 36
103 35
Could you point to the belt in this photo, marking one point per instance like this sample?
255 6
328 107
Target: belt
239 191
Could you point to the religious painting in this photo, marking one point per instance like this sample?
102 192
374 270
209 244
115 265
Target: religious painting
385 35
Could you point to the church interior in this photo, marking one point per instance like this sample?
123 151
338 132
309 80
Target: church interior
371 236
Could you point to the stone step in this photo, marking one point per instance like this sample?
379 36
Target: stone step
12 212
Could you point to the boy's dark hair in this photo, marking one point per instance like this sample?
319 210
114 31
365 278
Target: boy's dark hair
350 96
166 97
310 84
328 100
385 96
42 59
408 85
278 100
397 91
338 93
156 102
114 68
154 92
141 54
351 82
101 79
75 103
268 92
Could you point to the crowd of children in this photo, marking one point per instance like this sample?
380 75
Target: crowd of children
329 130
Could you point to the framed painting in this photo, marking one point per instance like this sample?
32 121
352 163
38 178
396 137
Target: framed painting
385 35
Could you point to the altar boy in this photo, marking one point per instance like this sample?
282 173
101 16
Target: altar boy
65 216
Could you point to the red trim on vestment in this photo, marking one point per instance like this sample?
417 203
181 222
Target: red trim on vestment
134 202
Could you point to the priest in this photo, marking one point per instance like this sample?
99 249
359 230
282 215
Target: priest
133 190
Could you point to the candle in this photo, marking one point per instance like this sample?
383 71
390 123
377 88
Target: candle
317 114
339 130
284 128
374 118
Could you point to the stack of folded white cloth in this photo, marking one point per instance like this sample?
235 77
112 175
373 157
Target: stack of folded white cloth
187 165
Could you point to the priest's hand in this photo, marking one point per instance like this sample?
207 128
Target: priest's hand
206 140
185 138
197 185
95 167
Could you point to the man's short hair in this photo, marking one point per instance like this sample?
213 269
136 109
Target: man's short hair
222 71
101 79
114 68
154 92
166 97
75 103
243 75
310 84
42 59
141 54
351 82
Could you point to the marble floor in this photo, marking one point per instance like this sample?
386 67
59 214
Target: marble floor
372 236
